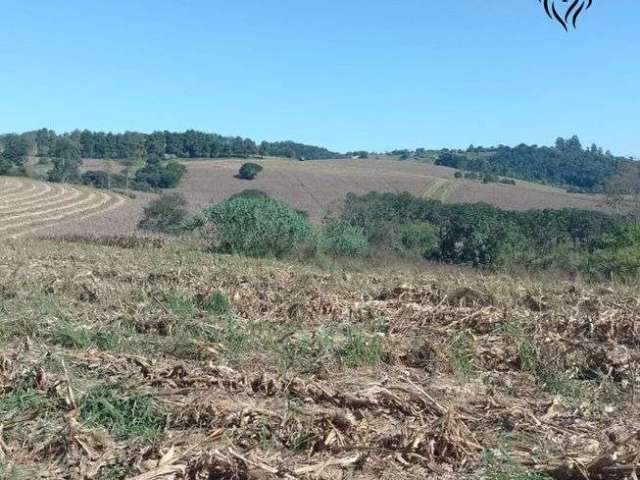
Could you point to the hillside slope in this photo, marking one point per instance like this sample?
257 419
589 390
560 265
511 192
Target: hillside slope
316 186
319 186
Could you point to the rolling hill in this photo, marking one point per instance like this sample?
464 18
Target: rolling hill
313 186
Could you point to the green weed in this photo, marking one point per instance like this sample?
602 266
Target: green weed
124 416
216 303
181 305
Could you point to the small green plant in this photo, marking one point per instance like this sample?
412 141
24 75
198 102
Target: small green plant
546 371
124 416
306 353
360 350
20 400
216 303
181 305
115 472
69 336
503 467
461 354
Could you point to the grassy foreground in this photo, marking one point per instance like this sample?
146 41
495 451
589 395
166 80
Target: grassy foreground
168 363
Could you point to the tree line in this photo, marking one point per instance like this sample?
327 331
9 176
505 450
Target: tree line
136 145
485 236
567 163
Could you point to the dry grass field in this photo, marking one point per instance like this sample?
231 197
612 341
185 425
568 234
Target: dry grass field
177 364
317 185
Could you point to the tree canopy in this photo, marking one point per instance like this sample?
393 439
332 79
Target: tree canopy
567 163
189 144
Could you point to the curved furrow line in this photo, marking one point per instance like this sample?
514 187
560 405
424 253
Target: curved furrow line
13 188
120 201
33 187
17 201
22 189
61 199
71 215
6 224
9 185
37 199
6 181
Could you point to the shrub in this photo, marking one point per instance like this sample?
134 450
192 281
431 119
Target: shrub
165 214
257 227
249 171
345 240
458 174
420 239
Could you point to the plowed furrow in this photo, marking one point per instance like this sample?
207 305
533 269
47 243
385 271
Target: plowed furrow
19 193
10 187
67 197
27 206
42 198
87 199
78 213
115 203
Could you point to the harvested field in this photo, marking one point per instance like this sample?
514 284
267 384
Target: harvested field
313 186
316 186
29 207
174 364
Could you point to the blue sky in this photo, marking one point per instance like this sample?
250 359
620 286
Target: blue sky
347 74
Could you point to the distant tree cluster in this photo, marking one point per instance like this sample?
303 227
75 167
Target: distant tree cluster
358 154
567 163
484 177
189 144
13 154
290 149
154 176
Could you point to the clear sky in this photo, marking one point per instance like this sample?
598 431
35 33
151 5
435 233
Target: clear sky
346 74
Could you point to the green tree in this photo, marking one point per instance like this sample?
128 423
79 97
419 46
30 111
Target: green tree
66 162
14 154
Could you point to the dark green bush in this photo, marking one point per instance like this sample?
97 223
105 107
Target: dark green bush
157 175
165 214
345 240
249 171
256 227
420 239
